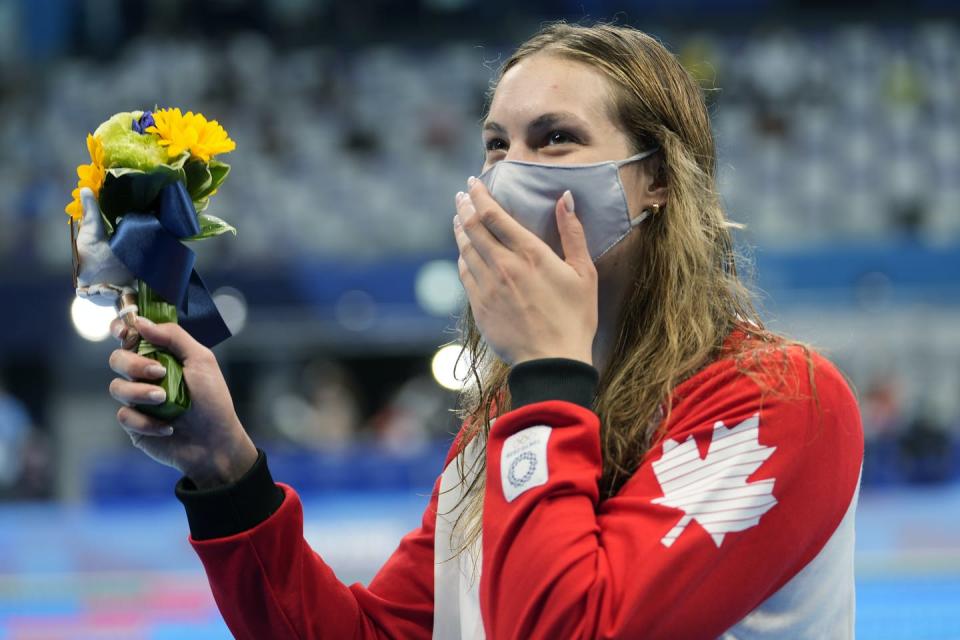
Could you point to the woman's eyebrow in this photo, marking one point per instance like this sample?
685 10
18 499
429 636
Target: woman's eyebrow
543 121
496 127
548 120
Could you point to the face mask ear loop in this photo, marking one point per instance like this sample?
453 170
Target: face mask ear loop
640 218
640 156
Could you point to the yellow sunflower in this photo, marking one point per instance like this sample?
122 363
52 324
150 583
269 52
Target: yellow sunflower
190 132
90 175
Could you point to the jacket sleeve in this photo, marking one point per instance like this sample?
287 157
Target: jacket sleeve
744 489
269 583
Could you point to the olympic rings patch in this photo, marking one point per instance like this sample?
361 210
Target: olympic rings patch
512 475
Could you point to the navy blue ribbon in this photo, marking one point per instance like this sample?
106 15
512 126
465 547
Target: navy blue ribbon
148 244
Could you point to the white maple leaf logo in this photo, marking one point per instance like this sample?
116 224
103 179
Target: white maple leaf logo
714 490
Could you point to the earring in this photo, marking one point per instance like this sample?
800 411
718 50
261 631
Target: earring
655 209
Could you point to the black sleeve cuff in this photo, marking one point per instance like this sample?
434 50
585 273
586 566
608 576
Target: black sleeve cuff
232 508
552 379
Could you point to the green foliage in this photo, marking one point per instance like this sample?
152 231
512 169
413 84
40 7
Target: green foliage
218 172
203 179
198 178
211 226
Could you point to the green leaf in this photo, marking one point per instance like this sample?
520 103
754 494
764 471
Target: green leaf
107 224
126 190
218 171
198 178
211 226
180 161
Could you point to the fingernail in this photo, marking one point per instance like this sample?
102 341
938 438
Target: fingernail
456 222
459 197
156 371
471 181
157 395
568 201
165 431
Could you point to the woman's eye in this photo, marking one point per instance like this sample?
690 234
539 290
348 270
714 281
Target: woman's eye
559 137
495 144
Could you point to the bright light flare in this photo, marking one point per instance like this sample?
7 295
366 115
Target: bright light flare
91 321
449 373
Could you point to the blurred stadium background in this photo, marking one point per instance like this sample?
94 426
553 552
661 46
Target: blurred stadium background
838 128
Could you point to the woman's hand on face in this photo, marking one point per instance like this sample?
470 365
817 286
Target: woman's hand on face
207 443
527 302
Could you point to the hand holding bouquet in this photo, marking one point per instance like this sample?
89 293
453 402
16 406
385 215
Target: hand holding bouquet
150 178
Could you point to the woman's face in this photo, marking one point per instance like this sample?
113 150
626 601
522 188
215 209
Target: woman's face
551 109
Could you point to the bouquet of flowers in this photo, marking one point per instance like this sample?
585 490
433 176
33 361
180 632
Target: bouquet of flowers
150 178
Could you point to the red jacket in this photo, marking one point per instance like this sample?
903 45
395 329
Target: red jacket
738 522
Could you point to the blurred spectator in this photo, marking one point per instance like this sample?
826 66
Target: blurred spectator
883 424
418 412
880 408
322 411
926 449
22 454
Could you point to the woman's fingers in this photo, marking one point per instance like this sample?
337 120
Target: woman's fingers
476 238
139 424
128 336
467 278
130 393
133 366
573 240
118 328
171 336
469 258
496 221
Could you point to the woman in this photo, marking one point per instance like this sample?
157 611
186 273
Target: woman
639 457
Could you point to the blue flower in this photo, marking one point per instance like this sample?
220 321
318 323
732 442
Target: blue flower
146 120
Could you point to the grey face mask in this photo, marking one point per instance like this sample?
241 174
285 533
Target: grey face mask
529 191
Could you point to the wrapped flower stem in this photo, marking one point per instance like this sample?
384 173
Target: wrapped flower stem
157 310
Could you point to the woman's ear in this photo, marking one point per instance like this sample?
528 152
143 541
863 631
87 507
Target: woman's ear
646 185
656 187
